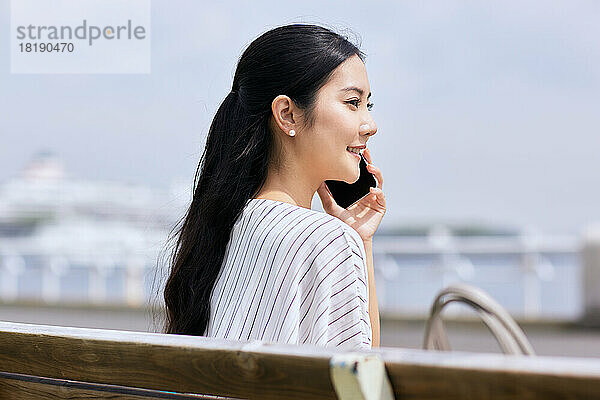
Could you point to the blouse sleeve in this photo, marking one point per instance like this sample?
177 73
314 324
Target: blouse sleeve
338 315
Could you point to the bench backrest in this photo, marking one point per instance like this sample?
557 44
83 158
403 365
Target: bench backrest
40 362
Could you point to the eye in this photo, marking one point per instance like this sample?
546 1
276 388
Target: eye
356 102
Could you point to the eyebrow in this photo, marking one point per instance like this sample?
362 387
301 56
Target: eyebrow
356 89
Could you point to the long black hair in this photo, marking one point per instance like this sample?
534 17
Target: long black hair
295 60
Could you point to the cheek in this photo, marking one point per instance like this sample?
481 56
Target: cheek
339 124
335 128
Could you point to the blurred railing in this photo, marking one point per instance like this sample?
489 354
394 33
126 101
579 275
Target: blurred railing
409 271
31 273
513 269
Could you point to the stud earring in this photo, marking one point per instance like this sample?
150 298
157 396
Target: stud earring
292 132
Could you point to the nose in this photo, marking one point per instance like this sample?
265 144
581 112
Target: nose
368 128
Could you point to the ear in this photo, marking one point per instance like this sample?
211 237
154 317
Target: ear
285 113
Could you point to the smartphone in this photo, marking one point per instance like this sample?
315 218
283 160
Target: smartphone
346 194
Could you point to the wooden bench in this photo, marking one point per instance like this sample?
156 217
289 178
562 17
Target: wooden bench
46 362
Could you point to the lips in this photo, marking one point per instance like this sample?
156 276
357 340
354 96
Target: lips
354 154
356 150
357 147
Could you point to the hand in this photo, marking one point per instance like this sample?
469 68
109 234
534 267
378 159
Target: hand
366 214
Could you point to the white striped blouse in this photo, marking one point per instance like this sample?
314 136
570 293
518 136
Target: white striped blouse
292 275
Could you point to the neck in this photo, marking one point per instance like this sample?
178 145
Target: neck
289 187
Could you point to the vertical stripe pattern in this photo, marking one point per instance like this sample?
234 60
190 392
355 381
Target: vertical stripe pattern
292 275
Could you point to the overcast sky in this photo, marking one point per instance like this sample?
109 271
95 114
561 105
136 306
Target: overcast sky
487 111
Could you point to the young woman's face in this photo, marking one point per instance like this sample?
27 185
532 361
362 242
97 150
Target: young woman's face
342 119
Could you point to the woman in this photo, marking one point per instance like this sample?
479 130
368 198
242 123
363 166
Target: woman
252 260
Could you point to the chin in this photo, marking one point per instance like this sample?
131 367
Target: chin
353 177
351 172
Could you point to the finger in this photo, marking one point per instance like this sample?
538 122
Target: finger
371 168
379 196
367 155
378 174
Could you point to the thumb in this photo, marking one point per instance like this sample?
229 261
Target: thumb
326 198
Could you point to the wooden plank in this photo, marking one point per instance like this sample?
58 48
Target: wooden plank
415 374
40 387
275 371
11 389
186 364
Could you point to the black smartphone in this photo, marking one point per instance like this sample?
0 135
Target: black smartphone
346 194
